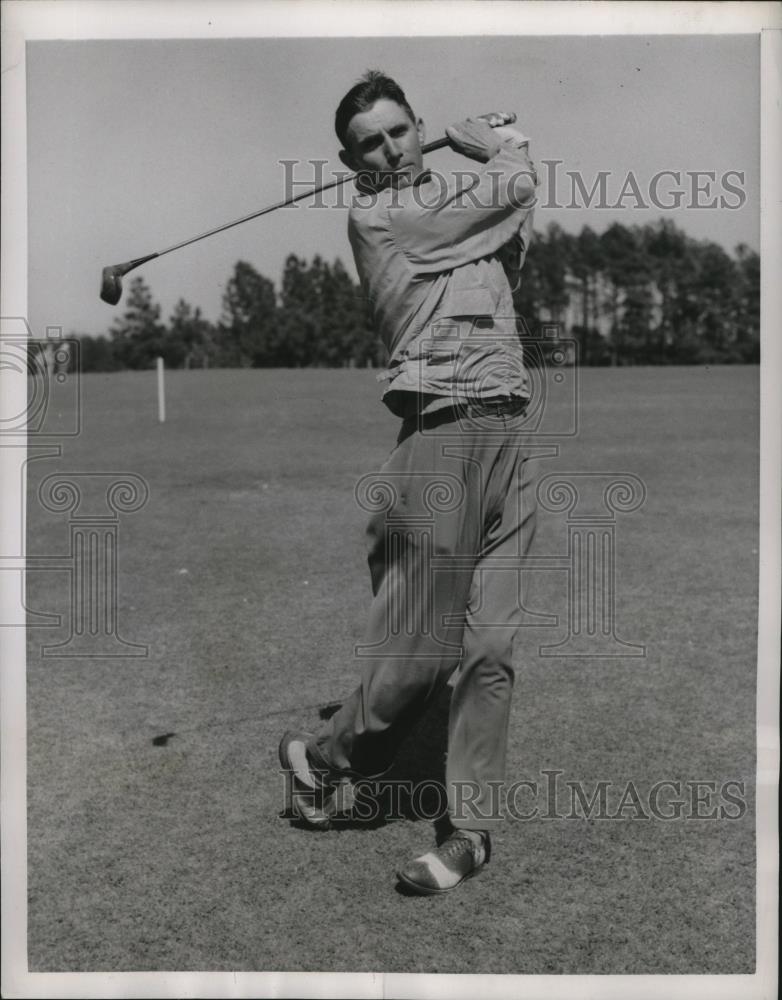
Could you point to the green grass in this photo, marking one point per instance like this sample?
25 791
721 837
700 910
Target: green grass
145 857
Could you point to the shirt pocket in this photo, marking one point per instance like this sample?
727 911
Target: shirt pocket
464 302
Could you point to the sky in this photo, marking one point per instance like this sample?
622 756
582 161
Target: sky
135 145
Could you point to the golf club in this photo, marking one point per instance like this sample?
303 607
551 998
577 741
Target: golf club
111 279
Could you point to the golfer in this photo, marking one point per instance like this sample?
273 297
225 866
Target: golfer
453 509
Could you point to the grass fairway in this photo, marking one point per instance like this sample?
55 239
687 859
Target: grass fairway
245 576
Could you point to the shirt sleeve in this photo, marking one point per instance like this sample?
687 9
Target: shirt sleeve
442 227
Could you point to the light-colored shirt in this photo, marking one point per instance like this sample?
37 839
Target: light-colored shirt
430 257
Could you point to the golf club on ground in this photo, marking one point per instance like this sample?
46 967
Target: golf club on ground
111 279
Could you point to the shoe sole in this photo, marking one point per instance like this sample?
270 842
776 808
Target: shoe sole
426 890
291 810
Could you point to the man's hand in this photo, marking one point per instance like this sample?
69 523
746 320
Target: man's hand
515 139
474 138
510 136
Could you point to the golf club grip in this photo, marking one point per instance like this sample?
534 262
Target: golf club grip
493 119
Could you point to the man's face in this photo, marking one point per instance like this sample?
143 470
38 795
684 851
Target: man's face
384 140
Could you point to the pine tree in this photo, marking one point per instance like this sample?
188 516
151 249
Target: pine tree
298 341
246 333
138 336
193 334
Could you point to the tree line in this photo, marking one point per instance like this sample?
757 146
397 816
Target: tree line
630 295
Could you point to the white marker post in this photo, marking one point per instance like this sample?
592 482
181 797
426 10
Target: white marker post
161 393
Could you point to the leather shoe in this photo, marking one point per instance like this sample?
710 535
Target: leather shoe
445 868
308 796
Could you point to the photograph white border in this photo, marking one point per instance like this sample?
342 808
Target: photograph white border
24 20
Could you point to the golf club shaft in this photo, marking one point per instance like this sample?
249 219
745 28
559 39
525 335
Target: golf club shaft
261 211
111 277
494 119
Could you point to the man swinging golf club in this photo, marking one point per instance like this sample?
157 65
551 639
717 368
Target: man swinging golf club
457 509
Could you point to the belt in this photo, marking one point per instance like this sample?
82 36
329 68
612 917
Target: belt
508 406
495 406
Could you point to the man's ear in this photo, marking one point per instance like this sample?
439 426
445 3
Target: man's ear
348 160
421 130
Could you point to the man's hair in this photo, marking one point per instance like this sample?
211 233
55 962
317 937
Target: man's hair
373 86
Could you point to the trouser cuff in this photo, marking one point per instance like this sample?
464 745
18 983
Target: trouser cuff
333 774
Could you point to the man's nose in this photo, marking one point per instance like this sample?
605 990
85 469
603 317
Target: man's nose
392 150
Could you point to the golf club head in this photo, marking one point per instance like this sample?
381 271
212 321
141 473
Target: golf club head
111 285
111 278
